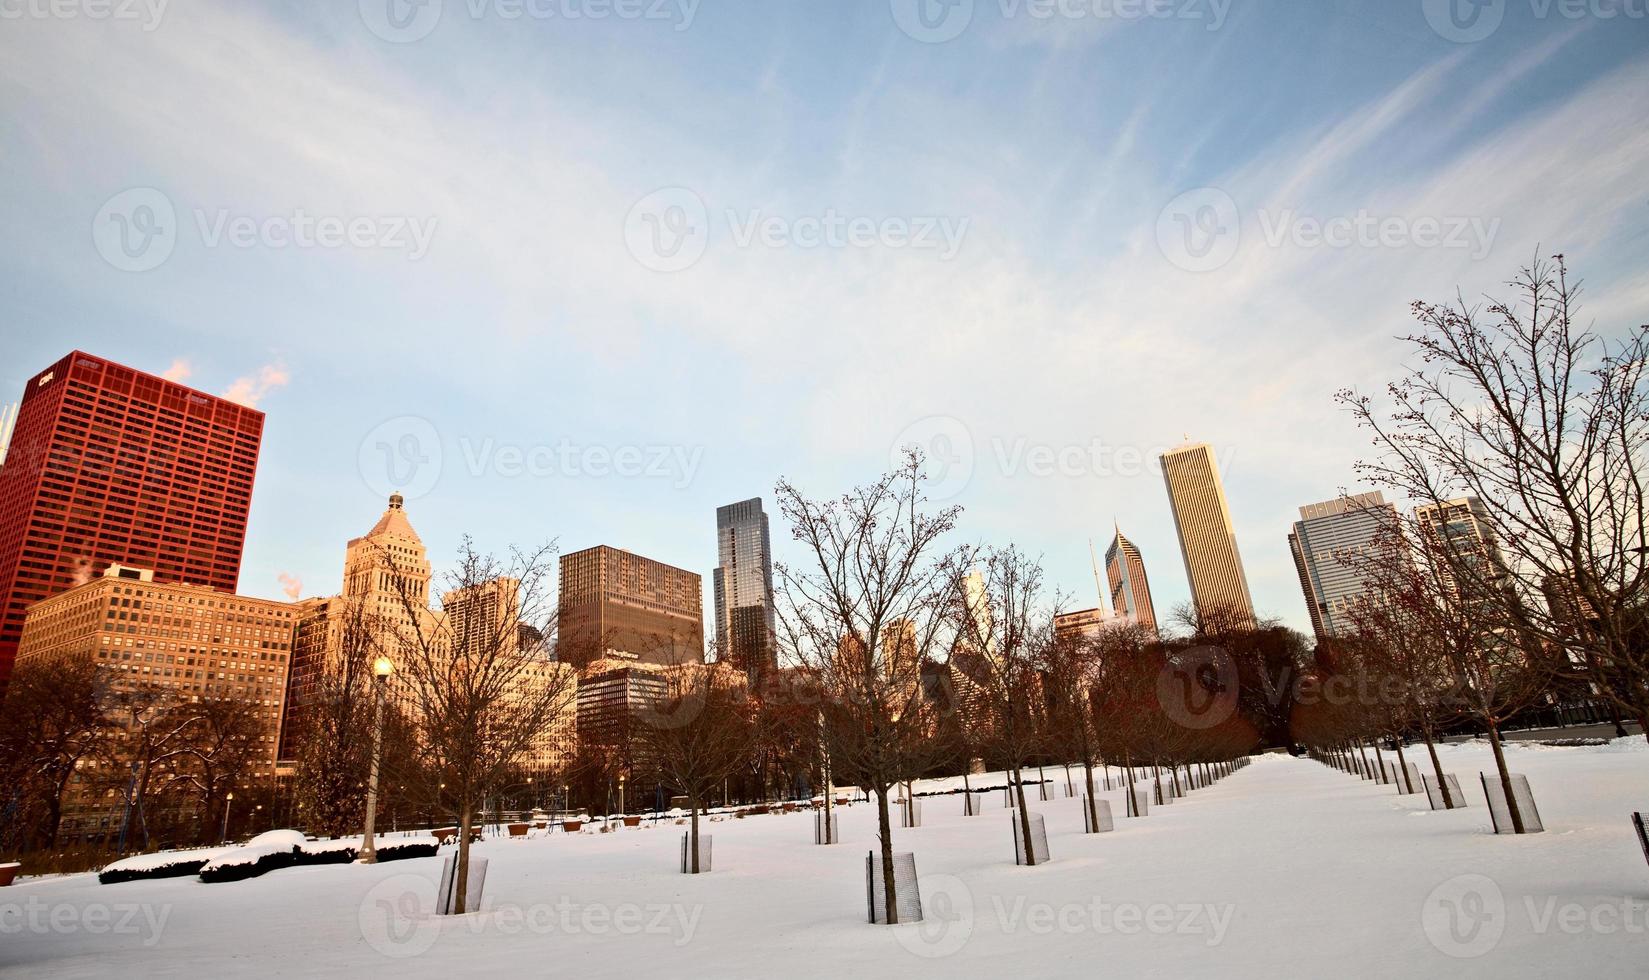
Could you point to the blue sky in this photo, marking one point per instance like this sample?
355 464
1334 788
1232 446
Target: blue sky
600 243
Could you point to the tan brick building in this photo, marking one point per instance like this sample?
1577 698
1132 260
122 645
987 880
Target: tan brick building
194 641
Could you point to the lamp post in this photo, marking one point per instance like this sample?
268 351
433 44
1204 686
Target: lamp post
381 669
621 794
228 800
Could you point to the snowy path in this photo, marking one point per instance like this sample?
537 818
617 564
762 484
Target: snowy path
1287 868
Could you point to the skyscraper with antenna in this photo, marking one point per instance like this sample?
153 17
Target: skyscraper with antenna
1130 589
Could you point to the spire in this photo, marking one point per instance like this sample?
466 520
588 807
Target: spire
1099 583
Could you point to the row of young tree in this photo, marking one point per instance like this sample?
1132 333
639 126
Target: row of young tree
1519 578
880 600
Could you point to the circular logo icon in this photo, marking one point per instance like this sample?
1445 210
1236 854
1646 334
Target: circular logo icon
1197 688
1464 21
401 21
1199 231
397 916
401 455
947 454
1465 916
947 919
932 21
668 230
136 230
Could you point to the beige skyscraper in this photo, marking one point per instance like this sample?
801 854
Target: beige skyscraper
1207 541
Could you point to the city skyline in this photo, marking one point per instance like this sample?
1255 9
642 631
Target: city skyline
1065 203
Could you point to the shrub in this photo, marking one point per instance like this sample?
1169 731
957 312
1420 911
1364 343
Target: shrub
164 864
248 862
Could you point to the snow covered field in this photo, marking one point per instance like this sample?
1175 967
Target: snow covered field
1287 868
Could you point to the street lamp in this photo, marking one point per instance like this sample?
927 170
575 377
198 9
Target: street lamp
228 799
621 794
381 669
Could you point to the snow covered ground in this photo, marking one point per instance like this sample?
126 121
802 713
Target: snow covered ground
1287 868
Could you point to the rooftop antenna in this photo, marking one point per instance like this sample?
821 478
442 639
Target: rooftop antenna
1099 584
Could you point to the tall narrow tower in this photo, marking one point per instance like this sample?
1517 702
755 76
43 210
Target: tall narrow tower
1207 541
745 629
1130 589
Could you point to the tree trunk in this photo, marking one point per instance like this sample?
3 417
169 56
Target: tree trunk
1024 818
1505 778
827 801
1437 768
1362 753
890 893
1380 761
1133 803
693 865
1403 766
1093 808
461 870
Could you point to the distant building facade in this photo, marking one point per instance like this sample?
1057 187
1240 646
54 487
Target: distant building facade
1081 623
743 585
1208 540
191 642
619 605
1327 542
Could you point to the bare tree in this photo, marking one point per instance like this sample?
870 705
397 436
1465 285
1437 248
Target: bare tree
861 612
1078 671
219 750
1004 628
698 733
52 721
1443 588
333 724
1545 423
1398 642
481 690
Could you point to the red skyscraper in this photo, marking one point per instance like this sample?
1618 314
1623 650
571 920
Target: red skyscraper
108 464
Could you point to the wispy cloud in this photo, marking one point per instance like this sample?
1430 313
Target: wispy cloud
179 371
253 388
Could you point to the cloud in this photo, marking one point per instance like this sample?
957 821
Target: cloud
251 389
180 370
291 585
